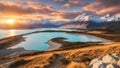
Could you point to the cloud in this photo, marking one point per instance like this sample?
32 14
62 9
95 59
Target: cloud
33 11
31 3
67 5
58 0
66 15
102 7
30 8
78 3
112 10
11 8
118 14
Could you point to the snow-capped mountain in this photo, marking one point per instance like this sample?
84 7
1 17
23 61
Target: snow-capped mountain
82 17
85 21
106 18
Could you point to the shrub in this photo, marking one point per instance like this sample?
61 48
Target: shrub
65 61
18 63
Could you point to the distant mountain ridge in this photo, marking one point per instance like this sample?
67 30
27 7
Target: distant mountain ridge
85 21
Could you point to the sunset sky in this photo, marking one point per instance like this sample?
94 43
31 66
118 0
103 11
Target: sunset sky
25 11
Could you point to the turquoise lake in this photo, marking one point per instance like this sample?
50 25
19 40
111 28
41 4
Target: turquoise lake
37 41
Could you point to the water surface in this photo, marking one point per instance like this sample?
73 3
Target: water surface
8 33
37 41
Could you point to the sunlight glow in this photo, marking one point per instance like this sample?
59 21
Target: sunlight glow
11 21
12 32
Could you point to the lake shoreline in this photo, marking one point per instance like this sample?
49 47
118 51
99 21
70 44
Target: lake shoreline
53 45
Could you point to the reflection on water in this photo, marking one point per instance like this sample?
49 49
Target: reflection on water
12 32
7 33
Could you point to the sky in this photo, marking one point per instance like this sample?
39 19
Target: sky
25 11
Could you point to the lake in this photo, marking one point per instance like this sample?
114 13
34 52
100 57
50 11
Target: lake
37 41
8 33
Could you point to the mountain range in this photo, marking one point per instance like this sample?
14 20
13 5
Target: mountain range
85 21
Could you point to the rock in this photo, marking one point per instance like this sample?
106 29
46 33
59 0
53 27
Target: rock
94 61
116 56
99 64
118 63
109 59
112 66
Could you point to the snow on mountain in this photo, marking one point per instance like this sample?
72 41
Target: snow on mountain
85 21
82 17
106 18
109 18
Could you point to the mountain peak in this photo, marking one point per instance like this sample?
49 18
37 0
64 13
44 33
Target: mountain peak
82 17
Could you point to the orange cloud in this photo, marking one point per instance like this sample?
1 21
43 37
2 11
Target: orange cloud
24 13
108 10
102 7
118 14
33 11
31 3
29 8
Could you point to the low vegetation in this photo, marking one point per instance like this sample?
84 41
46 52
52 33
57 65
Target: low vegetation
10 40
65 61
32 53
73 45
17 63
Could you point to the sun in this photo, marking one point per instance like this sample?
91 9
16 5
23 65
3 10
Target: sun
11 21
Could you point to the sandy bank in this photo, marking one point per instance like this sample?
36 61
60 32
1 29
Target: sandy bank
53 45
13 52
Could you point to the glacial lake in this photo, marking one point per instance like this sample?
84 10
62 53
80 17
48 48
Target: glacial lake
37 41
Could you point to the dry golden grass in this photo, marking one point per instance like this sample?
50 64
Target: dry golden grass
78 58
41 61
76 65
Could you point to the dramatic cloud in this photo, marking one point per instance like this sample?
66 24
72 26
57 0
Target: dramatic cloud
55 10
102 7
16 9
33 11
